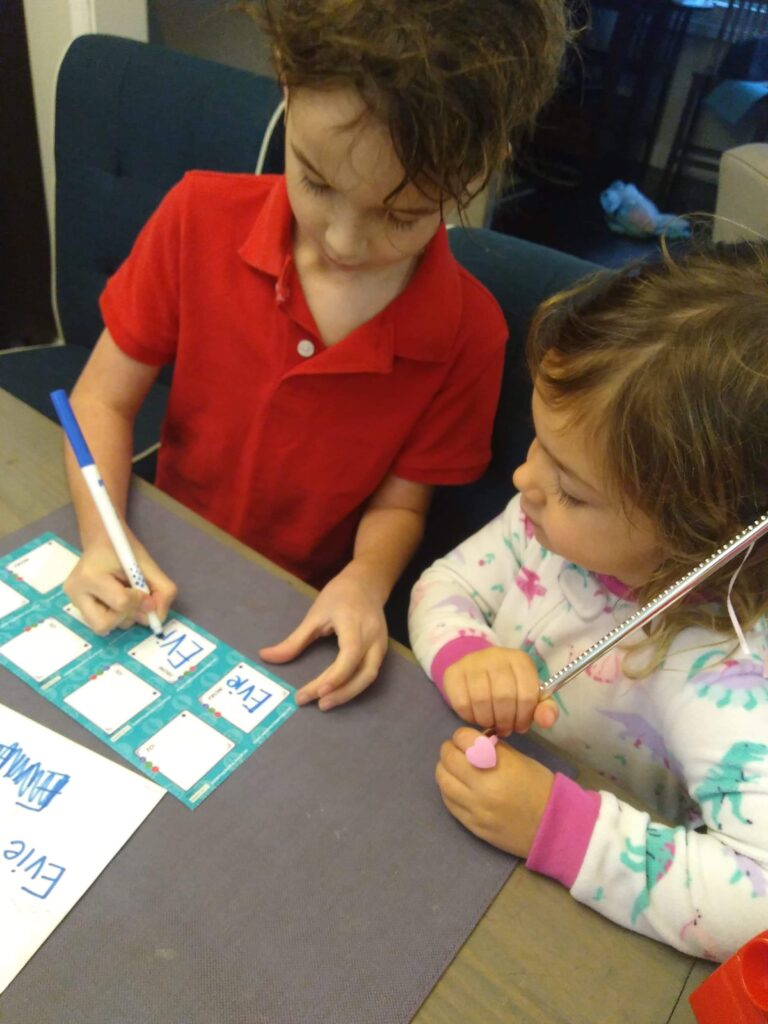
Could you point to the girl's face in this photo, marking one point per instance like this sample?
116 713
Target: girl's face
564 494
340 167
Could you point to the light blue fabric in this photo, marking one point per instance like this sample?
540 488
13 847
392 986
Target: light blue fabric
731 100
629 212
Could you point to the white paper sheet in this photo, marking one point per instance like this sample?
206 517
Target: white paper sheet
64 814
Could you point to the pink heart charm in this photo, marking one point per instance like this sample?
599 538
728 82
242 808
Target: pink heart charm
482 753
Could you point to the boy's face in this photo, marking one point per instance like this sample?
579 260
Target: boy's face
340 167
572 510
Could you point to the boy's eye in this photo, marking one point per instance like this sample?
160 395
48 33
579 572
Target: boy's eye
313 186
400 225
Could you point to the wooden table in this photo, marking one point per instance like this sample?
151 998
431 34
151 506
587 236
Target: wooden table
537 956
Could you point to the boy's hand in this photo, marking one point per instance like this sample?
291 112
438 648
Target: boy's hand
98 587
345 608
498 688
502 805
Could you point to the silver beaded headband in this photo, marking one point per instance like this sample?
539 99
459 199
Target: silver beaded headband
653 608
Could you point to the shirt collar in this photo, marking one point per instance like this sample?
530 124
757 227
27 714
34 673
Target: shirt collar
426 315
422 320
615 587
269 240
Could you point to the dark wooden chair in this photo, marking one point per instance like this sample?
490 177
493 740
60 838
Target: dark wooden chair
742 21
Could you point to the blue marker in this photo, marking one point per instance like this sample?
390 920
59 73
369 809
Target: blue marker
101 499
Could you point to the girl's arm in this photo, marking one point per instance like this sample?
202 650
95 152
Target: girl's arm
701 887
455 602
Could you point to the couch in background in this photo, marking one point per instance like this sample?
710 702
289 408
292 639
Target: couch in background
742 193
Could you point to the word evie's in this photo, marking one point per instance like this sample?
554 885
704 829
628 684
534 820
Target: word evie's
35 786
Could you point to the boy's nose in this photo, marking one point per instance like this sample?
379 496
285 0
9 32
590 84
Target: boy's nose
345 240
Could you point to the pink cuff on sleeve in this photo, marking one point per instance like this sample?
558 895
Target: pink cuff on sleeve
453 651
564 831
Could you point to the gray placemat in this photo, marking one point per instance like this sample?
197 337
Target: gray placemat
322 883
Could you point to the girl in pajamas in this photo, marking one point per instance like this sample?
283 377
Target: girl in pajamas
650 409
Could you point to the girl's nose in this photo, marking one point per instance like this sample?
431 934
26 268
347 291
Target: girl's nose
525 478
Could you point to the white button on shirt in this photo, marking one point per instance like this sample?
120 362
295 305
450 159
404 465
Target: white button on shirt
305 348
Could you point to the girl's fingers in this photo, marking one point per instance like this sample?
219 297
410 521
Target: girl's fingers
546 713
481 695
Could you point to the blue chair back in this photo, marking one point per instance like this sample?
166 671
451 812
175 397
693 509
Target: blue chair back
131 118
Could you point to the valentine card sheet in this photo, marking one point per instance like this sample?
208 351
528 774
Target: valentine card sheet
186 709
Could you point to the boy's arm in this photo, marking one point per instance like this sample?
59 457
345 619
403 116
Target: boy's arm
105 400
351 605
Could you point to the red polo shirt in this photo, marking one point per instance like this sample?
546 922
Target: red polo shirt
269 434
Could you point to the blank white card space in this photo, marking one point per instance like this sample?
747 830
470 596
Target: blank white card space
45 567
112 698
10 600
44 648
185 749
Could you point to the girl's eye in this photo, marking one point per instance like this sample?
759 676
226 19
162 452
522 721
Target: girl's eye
317 187
567 499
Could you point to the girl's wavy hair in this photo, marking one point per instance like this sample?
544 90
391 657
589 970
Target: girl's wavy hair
455 81
667 364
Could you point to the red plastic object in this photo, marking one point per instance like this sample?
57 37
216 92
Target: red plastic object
737 992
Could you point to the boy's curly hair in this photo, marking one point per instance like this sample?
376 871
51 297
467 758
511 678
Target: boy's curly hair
455 81
667 363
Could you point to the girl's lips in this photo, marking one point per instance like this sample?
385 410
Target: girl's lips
528 515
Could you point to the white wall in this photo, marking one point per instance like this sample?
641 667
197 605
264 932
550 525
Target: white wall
51 27
211 29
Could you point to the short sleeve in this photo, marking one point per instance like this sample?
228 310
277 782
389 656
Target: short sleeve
140 303
451 443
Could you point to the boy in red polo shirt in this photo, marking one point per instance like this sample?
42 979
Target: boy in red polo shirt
332 361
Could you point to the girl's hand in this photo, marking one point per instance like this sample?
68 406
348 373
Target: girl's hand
99 589
502 805
343 607
498 688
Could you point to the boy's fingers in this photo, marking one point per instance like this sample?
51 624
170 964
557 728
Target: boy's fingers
352 653
289 648
360 680
162 597
98 618
341 671
115 596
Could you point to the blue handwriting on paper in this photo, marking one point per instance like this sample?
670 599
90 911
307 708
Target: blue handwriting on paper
244 689
33 868
178 658
36 785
